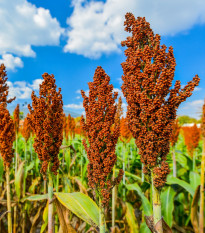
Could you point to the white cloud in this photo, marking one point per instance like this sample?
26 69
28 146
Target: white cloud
192 108
74 106
22 89
11 62
78 97
23 25
96 28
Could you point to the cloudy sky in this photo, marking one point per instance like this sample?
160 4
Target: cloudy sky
71 38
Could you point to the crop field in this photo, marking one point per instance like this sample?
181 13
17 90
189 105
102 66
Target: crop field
109 170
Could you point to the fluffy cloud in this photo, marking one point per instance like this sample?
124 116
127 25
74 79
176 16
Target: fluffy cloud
96 28
22 90
11 62
74 106
23 25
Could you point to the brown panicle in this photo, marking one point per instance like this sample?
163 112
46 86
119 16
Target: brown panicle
148 73
100 112
47 123
7 136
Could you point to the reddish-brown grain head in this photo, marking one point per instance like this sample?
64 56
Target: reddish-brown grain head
100 109
47 123
148 73
7 135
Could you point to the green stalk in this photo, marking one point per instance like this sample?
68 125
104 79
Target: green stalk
114 192
123 179
201 213
8 201
24 191
142 173
56 216
102 218
50 203
156 208
16 168
174 162
194 161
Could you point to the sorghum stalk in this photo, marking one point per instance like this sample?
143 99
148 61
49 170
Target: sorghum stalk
174 162
48 107
8 201
7 136
201 212
114 193
50 203
100 112
102 217
156 202
148 73
173 140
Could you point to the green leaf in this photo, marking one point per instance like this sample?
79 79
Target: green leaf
131 219
81 205
182 183
130 175
144 228
45 218
145 202
167 199
194 179
36 197
18 179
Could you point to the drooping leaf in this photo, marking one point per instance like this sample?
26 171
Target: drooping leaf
45 218
145 202
36 197
18 179
36 220
194 210
81 205
182 183
167 201
63 215
131 219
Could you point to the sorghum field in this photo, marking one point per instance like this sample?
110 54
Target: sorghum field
104 171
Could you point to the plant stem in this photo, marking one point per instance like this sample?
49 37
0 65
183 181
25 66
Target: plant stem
24 191
124 165
201 214
16 168
8 201
102 218
156 207
174 162
194 161
114 191
56 216
50 204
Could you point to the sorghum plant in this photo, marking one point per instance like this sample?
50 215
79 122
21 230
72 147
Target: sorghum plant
7 136
201 214
173 140
125 134
152 103
191 137
100 112
47 124
3 86
70 127
26 132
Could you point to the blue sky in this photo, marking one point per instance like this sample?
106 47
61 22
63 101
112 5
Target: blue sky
71 38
